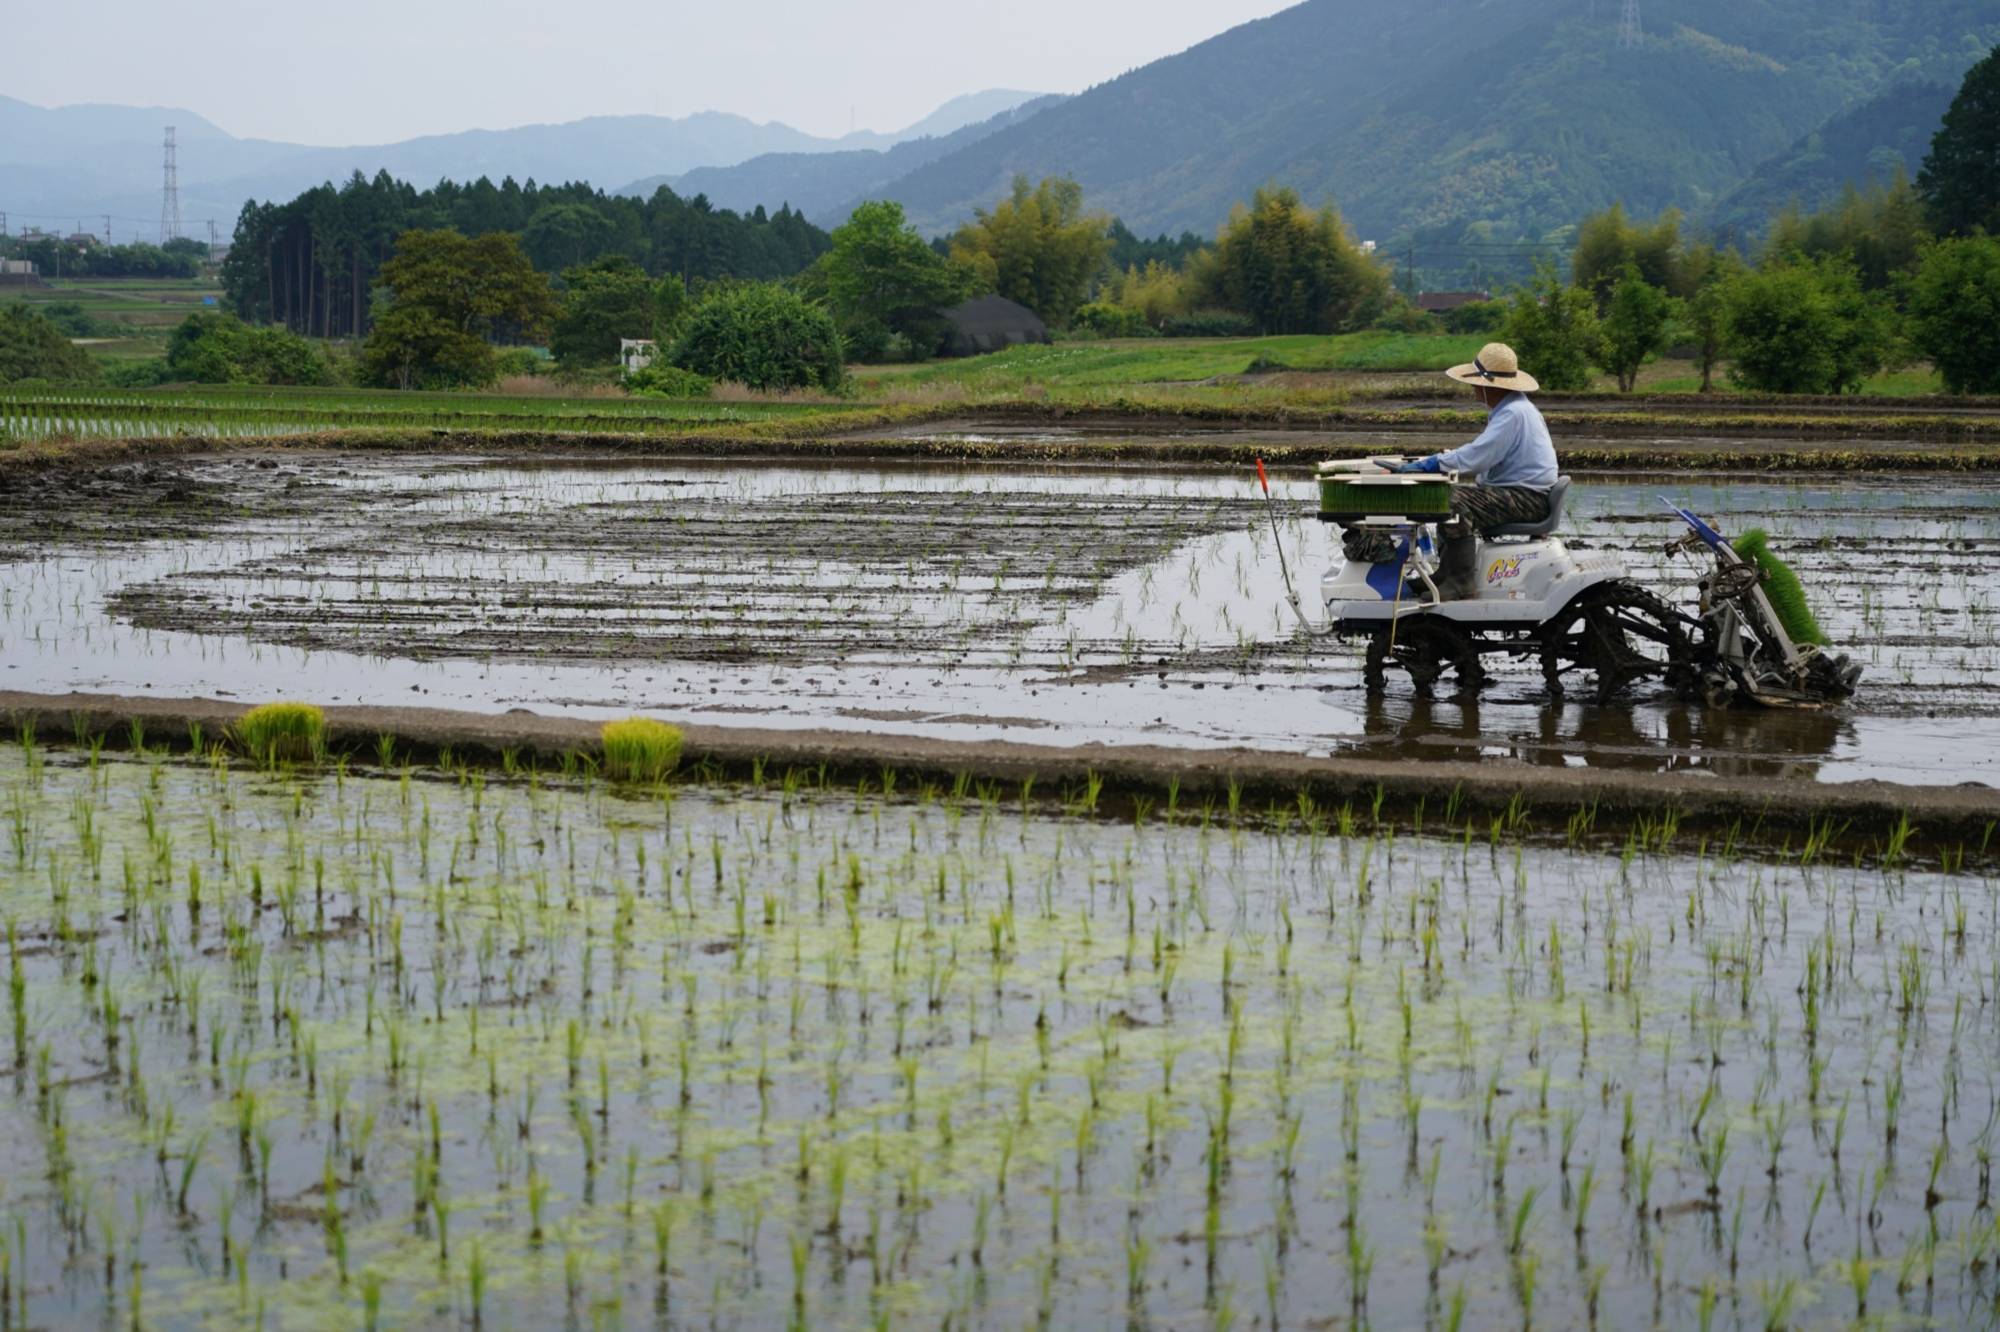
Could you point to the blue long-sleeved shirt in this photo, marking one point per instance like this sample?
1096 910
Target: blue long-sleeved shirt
1513 450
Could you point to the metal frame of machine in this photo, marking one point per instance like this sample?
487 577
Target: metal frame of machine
1579 613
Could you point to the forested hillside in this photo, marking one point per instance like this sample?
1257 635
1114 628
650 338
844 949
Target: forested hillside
310 263
1862 147
1427 112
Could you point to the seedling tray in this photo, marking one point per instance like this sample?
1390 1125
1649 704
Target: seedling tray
1349 498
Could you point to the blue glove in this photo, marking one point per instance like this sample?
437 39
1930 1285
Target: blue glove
1430 464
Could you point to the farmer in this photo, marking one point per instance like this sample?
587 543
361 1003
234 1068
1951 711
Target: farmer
1513 461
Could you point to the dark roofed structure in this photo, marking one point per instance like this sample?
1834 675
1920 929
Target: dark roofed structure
990 323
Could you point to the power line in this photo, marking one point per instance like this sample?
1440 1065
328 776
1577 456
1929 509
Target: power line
170 194
60 217
1629 32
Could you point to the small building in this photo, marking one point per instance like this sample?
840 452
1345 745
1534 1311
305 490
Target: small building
636 353
1443 302
82 240
990 323
17 268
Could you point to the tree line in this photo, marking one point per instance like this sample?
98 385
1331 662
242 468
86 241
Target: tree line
181 257
312 264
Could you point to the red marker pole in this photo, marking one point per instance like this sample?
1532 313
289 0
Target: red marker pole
1271 507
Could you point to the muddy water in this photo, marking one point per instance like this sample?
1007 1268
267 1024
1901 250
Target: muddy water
1063 605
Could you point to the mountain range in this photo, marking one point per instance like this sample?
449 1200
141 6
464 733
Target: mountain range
1440 119
68 165
1444 113
826 186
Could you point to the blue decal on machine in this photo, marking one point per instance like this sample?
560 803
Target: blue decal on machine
1386 577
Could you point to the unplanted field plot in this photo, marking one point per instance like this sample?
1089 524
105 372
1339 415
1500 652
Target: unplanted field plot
1060 604
422 1047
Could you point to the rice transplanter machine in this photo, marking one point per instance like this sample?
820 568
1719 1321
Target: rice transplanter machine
1749 638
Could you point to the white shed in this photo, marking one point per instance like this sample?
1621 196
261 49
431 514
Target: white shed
635 353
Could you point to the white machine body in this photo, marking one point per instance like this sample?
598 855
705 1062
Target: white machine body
1521 583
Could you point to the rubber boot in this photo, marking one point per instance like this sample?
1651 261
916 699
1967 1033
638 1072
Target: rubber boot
1458 567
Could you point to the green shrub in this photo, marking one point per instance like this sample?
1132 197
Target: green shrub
142 373
1806 327
1402 317
1475 317
1553 329
77 322
1955 313
761 335
669 381
1103 320
32 347
282 733
640 749
1209 324
510 362
211 347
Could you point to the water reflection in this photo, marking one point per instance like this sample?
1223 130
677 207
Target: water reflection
1639 736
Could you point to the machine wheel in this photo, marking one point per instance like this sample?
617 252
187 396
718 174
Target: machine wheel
1618 633
1426 647
1732 581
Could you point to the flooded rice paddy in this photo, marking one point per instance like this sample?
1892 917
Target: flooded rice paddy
1066 605
407 1047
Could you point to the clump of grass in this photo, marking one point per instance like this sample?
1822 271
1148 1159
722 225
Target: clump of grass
639 749
282 732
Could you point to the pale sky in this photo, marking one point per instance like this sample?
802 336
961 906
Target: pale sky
373 71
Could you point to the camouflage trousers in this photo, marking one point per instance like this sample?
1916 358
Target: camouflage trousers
1474 510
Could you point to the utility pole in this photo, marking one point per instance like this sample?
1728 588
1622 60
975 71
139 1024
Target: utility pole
107 228
170 194
211 240
1629 31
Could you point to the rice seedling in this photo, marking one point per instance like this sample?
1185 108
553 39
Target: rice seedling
639 749
447 1027
274 733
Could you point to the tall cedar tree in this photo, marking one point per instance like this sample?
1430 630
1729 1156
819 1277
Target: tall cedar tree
1960 180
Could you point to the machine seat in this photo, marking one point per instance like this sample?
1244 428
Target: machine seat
1548 525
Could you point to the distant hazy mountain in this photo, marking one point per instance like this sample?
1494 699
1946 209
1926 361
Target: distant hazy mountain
826 186
1863 146
1435 112
58 165
963 110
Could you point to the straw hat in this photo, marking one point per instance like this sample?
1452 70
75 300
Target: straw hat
1496 366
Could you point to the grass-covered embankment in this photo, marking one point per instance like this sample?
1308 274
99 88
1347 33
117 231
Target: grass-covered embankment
1360 385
